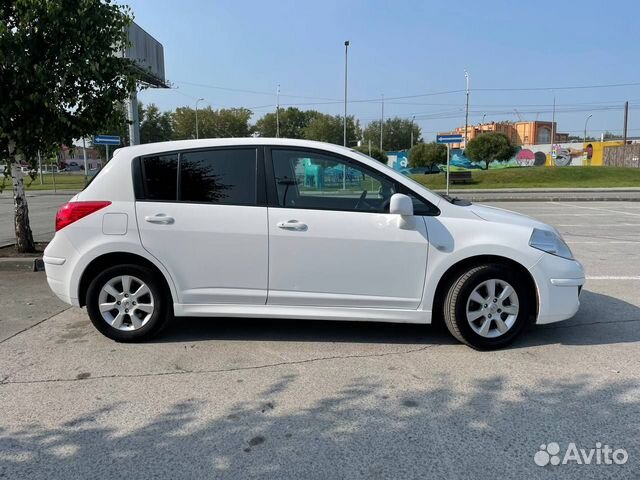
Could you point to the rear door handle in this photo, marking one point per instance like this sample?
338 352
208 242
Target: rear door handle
294 225
160 219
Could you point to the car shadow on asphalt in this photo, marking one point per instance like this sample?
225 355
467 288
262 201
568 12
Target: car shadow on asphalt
602 319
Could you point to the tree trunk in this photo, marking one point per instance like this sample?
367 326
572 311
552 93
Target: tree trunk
24 237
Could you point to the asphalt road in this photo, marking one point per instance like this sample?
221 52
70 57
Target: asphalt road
42 212
284 399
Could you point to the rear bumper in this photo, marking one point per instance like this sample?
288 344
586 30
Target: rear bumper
59 259
559 282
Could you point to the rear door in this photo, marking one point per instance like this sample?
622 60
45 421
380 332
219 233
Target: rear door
202 214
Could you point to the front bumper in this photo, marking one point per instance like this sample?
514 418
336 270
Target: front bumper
559 282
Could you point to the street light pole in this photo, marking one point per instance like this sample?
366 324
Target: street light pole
346 56
199 100
466 114
381 121
585 127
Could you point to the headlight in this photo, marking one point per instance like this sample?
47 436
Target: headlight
550 242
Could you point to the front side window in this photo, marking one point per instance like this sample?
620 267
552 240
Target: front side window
323 182
219 176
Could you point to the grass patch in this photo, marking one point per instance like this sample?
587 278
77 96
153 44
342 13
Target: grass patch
542 177
63 181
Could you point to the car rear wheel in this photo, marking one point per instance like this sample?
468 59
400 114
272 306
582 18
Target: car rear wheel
127 304
487 306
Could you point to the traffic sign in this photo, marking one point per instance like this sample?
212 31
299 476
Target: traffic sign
448 138
106 140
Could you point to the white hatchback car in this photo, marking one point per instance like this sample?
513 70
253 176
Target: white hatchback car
303 230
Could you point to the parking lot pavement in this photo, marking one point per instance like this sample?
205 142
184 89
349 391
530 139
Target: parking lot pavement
236 398
42 211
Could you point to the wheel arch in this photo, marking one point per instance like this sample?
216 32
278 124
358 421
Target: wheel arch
116 258
455 270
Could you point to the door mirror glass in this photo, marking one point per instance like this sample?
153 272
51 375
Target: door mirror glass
401 204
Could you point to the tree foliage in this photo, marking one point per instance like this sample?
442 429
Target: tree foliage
375 153
427 154
223 123
488 147
396 133
60 76
155 126
330 128
293 121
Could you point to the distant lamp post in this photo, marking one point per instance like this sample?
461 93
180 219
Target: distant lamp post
197 101
585 127
346 57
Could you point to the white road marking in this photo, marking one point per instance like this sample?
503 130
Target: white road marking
596 208
614 278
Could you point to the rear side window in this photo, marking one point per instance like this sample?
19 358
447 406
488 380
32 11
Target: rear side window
219 176
160 175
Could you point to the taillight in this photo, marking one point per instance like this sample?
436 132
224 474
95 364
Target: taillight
73 211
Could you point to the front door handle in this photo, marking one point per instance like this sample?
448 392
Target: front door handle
160 219
294 225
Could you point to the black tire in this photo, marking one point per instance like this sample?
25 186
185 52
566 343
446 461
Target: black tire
455 305
162 312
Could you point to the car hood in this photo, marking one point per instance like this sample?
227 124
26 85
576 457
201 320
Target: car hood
499 215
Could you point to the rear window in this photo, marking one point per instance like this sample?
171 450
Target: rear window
219 176
160 177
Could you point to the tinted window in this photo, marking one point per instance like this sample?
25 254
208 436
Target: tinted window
219 176
160 177
323 182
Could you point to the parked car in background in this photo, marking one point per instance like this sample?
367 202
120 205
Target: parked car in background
72 168
258 227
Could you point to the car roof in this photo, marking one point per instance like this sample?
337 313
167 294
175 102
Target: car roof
159 147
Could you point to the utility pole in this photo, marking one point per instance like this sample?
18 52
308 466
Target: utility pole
84 156
553 125
197 133
413 119
381 121
466 114
278 111
346 55
134 121
626 116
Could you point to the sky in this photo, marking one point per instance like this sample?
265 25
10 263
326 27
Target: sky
235 53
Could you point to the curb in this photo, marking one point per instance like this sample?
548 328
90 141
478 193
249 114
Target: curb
550 198
21 264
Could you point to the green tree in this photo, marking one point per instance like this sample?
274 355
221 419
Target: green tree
488 147
60 76
330 129
427 154
155 126
396 133
375 153
223 123
293 121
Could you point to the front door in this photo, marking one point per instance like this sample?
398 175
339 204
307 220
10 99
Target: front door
331 242
200 216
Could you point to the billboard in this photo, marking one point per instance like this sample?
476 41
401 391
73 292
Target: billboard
148 53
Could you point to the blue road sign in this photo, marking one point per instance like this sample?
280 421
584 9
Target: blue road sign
106 140
448 138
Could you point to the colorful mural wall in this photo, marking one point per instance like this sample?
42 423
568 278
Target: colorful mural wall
559 155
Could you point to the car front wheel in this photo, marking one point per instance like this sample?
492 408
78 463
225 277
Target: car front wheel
127 303
487 306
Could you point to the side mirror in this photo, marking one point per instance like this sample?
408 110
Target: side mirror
401 204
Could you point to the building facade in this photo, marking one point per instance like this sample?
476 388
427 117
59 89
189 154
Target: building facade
520 133
74 156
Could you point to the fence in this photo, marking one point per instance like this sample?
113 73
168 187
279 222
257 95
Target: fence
623 156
